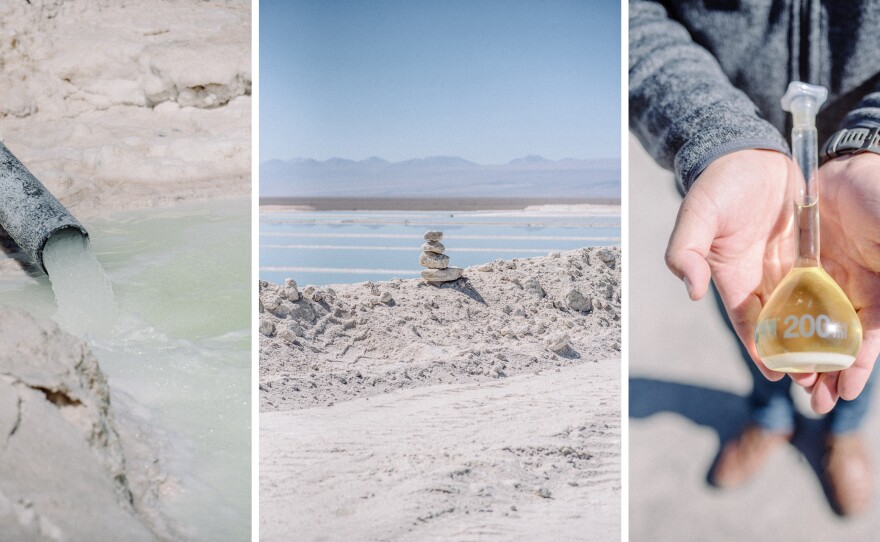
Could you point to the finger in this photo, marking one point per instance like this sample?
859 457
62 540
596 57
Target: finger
824 394
688 247
806 380
744 318
852 380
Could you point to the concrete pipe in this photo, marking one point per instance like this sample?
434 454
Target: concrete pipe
28 212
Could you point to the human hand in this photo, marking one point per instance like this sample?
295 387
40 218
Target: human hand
736 225
850 252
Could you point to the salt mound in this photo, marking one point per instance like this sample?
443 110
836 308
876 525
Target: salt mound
323 345
123 104
64 471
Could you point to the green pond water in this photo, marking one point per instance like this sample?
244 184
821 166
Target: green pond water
178 357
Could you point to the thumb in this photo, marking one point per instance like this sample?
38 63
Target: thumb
689 245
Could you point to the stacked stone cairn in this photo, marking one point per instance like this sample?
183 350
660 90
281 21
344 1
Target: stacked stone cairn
436 263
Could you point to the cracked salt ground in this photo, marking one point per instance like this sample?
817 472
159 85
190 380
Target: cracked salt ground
472 409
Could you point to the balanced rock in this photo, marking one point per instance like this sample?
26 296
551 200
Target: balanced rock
432 260
434 246
442 275
437 263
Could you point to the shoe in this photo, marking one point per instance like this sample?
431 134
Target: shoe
742 457
848 473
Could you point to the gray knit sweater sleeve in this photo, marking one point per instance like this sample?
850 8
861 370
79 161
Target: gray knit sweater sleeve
682 107
866 114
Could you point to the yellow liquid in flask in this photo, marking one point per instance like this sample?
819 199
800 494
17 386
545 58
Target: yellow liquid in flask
808 325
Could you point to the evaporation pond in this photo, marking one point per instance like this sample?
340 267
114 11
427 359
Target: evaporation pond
178 360
327 247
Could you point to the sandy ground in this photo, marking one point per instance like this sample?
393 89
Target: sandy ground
443 413
688 386
112 105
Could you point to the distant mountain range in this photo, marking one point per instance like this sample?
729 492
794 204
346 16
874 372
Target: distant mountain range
441 176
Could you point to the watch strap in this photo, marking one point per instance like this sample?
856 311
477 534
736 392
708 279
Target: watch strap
851 141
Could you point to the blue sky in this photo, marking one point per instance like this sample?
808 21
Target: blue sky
489 81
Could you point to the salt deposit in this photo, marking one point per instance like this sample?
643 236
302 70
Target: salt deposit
351 345
55 407
128 104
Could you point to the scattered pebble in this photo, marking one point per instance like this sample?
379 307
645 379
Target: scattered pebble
557 342
577 302
267 328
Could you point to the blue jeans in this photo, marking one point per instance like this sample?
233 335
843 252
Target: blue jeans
772 408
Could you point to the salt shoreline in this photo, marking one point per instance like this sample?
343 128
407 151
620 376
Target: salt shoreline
272 205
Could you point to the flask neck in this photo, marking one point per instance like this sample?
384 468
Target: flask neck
807 222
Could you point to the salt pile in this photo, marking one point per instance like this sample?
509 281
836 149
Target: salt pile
323 345
128 104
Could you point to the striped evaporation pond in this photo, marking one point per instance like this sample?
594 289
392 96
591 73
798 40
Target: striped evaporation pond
328 247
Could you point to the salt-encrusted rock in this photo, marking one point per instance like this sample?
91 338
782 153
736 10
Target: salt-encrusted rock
442 275
386 298
557 342
267 328
486 268
532 286
607 256
272 302
290 332
433 235
64 469
434 246
282 310
302 311
290 292
434 261
609 291
577 302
